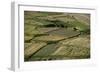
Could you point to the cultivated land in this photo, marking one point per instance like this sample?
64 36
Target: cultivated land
56 36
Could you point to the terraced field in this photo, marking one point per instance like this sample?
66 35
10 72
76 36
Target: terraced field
56 36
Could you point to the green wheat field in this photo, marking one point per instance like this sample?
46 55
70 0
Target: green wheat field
56 36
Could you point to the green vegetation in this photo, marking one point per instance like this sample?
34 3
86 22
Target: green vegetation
56 36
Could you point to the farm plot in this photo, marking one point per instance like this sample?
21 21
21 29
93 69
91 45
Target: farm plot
78 47
45 52
56 36
33 48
